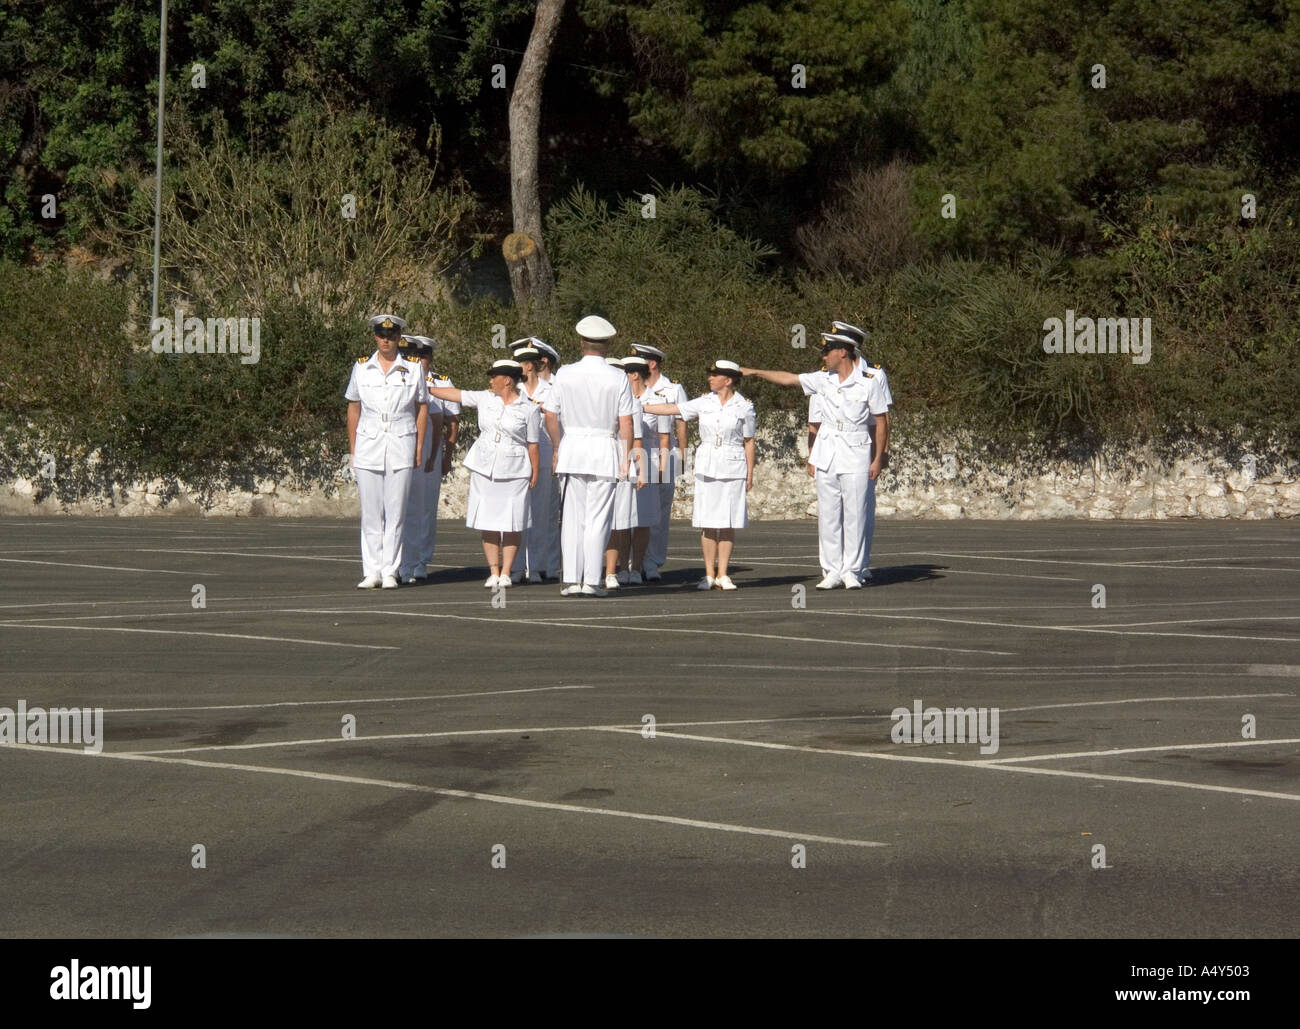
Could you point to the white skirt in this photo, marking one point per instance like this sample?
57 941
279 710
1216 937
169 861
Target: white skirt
497 505
625 505
719 503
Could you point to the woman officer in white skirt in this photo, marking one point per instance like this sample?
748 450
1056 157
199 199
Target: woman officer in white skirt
724 467
503 463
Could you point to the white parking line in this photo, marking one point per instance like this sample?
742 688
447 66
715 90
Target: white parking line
191 632
491 798
102 568
342 700
820 642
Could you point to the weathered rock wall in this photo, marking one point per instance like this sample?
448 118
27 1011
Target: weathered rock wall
953 477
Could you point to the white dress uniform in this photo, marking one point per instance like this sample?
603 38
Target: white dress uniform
385 454
421 532
589 397
841 455
498 461
534 554
720 465
663 481
879 373
625 491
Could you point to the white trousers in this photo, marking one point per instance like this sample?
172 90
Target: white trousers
656 552
383 515
421 523
588 517
534 553
841 522
869 524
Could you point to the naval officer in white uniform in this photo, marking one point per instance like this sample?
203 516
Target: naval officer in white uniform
387 421
420 533
589 419
861 364
534 552
665 467
842 454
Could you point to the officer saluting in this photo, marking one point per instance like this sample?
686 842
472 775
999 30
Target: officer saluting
663 467
387 420
589 419
842 454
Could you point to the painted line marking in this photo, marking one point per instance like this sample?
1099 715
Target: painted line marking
445 733
491 798
191 632
635 628
1140 750
345 700
102 568
990 764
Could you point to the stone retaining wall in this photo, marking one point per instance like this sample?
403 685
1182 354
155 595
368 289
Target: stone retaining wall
950 478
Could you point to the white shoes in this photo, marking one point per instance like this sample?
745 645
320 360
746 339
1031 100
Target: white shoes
851 581
706 583
390 582
829 583
572 590
723 582
612 582
370 582
594 591
492 582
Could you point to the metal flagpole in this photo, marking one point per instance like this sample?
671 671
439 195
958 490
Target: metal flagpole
157 203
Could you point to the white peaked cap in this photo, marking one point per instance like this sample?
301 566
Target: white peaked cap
595 328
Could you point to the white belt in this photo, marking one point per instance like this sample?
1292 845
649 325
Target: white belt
586 430
855 437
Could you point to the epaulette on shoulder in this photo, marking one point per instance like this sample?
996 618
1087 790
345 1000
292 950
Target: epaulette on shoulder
411 360
363 360
877 366
674 382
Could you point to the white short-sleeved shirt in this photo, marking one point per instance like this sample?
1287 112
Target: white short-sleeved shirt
446 408
389 402
538 398
723 431
845 408
589 396
666 391
814 404
504 432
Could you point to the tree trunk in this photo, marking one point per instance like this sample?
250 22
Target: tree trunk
531 278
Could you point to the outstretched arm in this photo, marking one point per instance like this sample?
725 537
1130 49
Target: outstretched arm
660 409
779 377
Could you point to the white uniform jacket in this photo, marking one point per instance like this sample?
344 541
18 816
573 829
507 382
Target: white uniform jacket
504 432
589 396
723 431
862 370
388 407
446 408
538 398
843 444
665 391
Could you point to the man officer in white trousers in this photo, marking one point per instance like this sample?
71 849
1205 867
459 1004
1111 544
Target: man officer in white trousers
862 363
664 468
387 418
589 419
844 454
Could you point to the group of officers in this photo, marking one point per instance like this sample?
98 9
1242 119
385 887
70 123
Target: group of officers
575 466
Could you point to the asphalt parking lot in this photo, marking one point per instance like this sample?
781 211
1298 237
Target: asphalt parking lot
442 761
